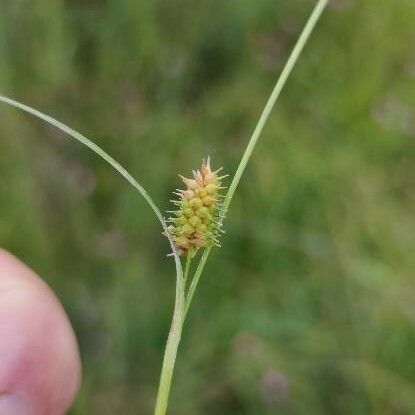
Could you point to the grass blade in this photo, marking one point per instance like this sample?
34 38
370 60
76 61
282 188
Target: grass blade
289 66
292 60
105 156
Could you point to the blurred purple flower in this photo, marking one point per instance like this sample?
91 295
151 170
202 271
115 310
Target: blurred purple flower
274 387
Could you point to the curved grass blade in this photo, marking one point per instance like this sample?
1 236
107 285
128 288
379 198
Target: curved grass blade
292 60
289 66
105 156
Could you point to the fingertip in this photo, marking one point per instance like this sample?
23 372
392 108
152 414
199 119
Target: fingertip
13 271
40 359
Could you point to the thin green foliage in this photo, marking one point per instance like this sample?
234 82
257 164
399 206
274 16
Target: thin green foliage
105 156
295 54
177 326
183 299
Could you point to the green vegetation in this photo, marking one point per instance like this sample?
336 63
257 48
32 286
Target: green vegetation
309 306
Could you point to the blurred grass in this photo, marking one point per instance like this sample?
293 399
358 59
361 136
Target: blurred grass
308 307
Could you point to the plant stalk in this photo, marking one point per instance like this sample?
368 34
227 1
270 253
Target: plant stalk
173 341
105 156
169 360
183 302
289 66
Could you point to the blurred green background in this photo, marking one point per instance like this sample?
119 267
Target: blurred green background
309 306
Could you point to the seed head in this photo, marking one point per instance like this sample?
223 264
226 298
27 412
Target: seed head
195 223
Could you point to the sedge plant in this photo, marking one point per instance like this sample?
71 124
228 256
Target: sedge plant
195 226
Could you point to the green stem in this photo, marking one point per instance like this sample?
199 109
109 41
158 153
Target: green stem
172 346
298 48
105 156
295 54
182 302
195 280
169 360
189 258
173 342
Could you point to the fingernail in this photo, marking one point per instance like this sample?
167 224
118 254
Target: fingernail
12 405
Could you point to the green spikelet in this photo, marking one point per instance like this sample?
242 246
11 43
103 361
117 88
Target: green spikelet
195 223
